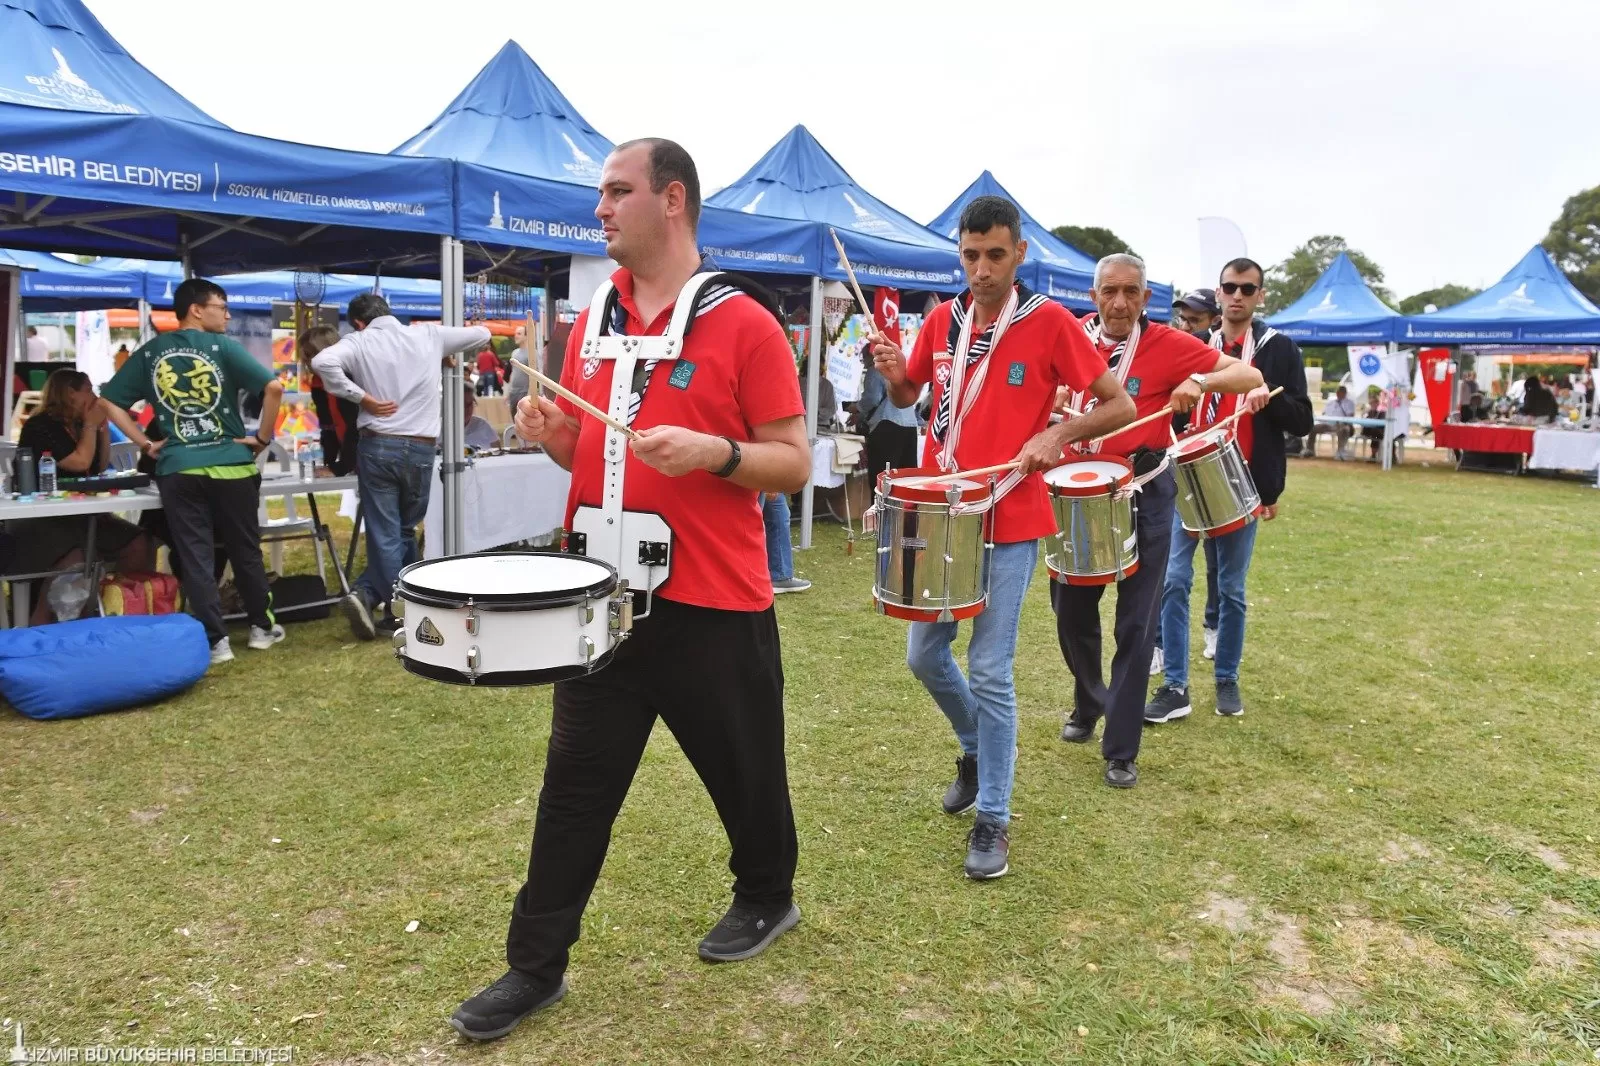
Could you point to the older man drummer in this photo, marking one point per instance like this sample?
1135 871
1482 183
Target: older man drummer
1159 367
995 356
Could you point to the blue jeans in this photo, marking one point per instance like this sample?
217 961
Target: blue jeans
1211 589
780 552
1231 565
982 710
395 476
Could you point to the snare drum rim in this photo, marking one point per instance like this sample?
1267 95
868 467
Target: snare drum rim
1097 489
507 678
511 601
890 491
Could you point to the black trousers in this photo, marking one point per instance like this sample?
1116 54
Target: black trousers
201 512
1138 617
890 445
716 679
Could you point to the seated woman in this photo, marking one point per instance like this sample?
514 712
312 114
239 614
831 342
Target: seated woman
72 427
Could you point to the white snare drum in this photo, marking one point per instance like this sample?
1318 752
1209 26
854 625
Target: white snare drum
1094 542
514 618
1216 494
932 547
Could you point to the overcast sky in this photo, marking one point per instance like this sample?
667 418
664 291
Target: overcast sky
1438 137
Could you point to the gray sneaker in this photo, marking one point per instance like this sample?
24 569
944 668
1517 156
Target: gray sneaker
1229 702
359 614
790 584
988 850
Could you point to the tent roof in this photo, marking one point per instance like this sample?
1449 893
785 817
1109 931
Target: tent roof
50 283
1339 308
105 158
798 180
1533 303
511 117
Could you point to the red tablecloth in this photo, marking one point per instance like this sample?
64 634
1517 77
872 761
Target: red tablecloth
1477 438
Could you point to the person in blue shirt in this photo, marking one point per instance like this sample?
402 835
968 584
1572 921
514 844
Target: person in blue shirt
891 431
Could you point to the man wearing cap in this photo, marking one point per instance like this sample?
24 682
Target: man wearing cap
1199 312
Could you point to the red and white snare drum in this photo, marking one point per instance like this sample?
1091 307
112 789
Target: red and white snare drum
933 542
1216 494
1094 542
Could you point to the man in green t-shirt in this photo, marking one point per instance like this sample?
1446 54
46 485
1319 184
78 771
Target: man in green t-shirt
205 470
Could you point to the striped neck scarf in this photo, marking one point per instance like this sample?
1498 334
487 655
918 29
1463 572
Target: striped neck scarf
1119 362
969 365
1212 410
710 297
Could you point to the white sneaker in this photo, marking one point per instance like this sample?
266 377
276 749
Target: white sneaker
1158 662
221 652
262 639
1211 643
790 584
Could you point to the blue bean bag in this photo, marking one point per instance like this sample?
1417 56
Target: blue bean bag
71 669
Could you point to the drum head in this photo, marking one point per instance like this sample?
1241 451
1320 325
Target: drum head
1088 477
902 485
507 579
1200 444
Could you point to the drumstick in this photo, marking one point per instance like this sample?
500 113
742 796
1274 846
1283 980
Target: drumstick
866 308
1241 412
576 400
924 482
1164 412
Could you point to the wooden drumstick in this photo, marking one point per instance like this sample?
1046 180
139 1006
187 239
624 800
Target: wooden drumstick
573 398
1241 412
1163 413
866 308
924 482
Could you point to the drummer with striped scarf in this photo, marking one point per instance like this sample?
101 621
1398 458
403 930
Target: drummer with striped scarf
1261 438
994 357
1158 366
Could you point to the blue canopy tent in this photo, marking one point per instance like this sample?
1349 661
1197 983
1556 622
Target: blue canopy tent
51 283
1533 304
1339 308
259 290
1054 267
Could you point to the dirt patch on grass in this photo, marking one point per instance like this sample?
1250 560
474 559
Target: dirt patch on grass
1230 912
1552 858
1311 994
324 916
1562 940
1404 850
791 994
924 1016
150 814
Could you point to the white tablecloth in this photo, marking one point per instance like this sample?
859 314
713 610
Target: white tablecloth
504 498
823 476
1565 449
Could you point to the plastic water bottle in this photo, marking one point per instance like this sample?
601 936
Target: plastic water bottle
47 474
306 465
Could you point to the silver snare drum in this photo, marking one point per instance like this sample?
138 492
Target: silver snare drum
1094 542
513 618
932 547
1216 494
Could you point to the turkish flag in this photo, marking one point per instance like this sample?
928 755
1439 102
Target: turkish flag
886 312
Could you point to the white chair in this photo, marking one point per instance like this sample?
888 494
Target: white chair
124 456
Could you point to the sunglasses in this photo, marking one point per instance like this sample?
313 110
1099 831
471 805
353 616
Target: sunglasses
1249 288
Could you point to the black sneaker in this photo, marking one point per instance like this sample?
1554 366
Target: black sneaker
388 624
500 1008
1121 773
745 932
1168 703
1229 702
1075 730
360 616
962 795
988 850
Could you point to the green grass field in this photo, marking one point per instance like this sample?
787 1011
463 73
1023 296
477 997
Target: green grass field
1391 858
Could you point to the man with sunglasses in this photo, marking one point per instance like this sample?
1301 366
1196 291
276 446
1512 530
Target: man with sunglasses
1159 367
1261 442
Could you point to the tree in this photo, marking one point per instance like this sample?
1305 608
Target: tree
1442 297
1574 241
1096 242
1289 280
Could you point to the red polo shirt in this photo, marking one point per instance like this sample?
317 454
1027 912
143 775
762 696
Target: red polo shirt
1046 349
736 372
1164 358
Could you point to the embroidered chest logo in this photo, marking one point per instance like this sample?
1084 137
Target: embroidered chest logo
682 372
591 367
1015 375
1133 386
941 371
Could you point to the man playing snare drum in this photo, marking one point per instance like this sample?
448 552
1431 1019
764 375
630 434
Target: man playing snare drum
1159 366
995 356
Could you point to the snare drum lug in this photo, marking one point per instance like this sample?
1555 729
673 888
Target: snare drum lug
946 616
586 650
399 643
472 621
473 659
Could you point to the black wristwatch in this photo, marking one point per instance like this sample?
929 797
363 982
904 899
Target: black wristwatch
733 460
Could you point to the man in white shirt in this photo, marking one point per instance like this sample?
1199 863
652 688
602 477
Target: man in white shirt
517 388
38 350
1341 406
393 372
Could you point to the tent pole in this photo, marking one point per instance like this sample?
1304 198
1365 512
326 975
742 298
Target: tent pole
452 411
14 343
144 321
813 387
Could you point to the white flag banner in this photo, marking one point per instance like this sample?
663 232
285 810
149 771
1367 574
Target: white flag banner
1221 240
94 347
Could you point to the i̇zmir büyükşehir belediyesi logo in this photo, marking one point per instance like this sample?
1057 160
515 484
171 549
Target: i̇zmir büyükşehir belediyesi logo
63 88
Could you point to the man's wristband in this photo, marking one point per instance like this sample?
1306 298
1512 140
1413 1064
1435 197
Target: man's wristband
733 459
